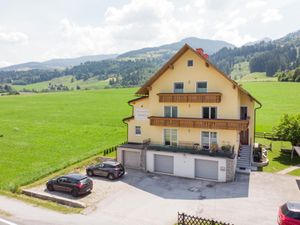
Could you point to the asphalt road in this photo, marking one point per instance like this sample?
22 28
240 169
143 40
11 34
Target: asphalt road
155 200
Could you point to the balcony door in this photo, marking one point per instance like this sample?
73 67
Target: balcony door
170 137
208 138
244 137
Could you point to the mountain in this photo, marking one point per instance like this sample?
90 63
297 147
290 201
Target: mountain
57 63
268 57
266 39
209 47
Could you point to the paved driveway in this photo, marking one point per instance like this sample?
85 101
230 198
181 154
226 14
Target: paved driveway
147 199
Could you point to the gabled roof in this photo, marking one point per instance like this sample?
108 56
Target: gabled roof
137 99
144 89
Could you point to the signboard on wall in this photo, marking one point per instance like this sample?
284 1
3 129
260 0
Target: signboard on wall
141 114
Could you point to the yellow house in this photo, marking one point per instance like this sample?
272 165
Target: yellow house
191 120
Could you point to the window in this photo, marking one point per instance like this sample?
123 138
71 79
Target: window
138 131
170 137
243 113
201 87
190 63
178 87
208 138
209 112
171 111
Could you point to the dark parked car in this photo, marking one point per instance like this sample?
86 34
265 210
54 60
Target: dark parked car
76 184
109 169
289 214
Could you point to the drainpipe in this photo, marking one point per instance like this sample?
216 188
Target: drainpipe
260 105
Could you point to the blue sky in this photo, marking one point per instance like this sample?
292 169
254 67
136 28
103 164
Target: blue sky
35 30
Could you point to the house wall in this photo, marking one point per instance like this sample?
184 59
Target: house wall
184 164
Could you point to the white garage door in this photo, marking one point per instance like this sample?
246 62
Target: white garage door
206 169
164 164
131 159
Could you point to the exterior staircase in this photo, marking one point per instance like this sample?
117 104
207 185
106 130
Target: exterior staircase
244 159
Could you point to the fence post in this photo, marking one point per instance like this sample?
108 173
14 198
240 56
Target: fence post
183 219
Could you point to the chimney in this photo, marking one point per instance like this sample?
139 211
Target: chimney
201 52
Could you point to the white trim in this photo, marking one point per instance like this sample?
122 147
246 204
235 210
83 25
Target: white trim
171 110
135 131
201 113
187 63
196 84
209 141
178 83
163 135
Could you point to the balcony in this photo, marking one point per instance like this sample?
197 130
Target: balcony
225 124
226 151
210 97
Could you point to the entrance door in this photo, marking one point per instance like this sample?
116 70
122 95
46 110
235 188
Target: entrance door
244 137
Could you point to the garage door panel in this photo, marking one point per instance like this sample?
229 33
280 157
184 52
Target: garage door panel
131 159
206 169
164 164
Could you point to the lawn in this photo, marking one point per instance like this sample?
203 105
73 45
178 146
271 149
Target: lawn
42 133
277 98
295 172
92 83
256 76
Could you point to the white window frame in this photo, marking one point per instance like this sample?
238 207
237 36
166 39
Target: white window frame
204 81
178 83
135 129
209 138
187 63
163 136
209 109
171 110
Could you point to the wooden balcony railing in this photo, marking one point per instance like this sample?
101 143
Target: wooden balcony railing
226 124
210 97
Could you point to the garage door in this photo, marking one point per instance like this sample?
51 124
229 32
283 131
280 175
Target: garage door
131 159
164 164
206 169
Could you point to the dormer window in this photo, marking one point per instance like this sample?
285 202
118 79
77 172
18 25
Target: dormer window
201 87
190 63
178 87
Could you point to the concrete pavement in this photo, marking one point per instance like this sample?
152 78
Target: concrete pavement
155 199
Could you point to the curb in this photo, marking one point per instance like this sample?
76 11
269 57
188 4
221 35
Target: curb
57 199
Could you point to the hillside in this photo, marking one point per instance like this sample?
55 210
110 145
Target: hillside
263 56
129 69
57 63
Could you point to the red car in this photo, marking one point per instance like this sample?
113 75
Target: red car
289 214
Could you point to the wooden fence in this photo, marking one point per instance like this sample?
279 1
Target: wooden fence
111 149
184 219
266 135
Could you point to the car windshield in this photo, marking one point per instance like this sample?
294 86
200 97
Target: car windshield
290 214
84 181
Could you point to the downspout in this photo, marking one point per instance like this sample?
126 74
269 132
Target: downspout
260 105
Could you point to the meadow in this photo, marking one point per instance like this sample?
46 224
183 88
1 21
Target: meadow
43 133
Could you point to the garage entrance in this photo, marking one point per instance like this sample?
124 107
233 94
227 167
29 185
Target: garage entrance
132 159
164 164
206 169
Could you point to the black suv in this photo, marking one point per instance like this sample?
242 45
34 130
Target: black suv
76 184
109 169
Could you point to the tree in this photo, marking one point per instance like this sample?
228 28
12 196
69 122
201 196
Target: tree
289 129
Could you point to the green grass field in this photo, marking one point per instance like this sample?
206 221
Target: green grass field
277 98
46 132
256 76
92 83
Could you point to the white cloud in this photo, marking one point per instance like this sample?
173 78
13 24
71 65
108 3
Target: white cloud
255 4
13 37
271 15
4 64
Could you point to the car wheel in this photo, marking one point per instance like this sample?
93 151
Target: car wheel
74 193
50 187
111 176
90 173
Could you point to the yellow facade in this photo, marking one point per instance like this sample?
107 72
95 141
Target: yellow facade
229 107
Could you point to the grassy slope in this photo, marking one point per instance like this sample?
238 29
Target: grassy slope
295 172
92 83
277 98
45 132
239 70
257 76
